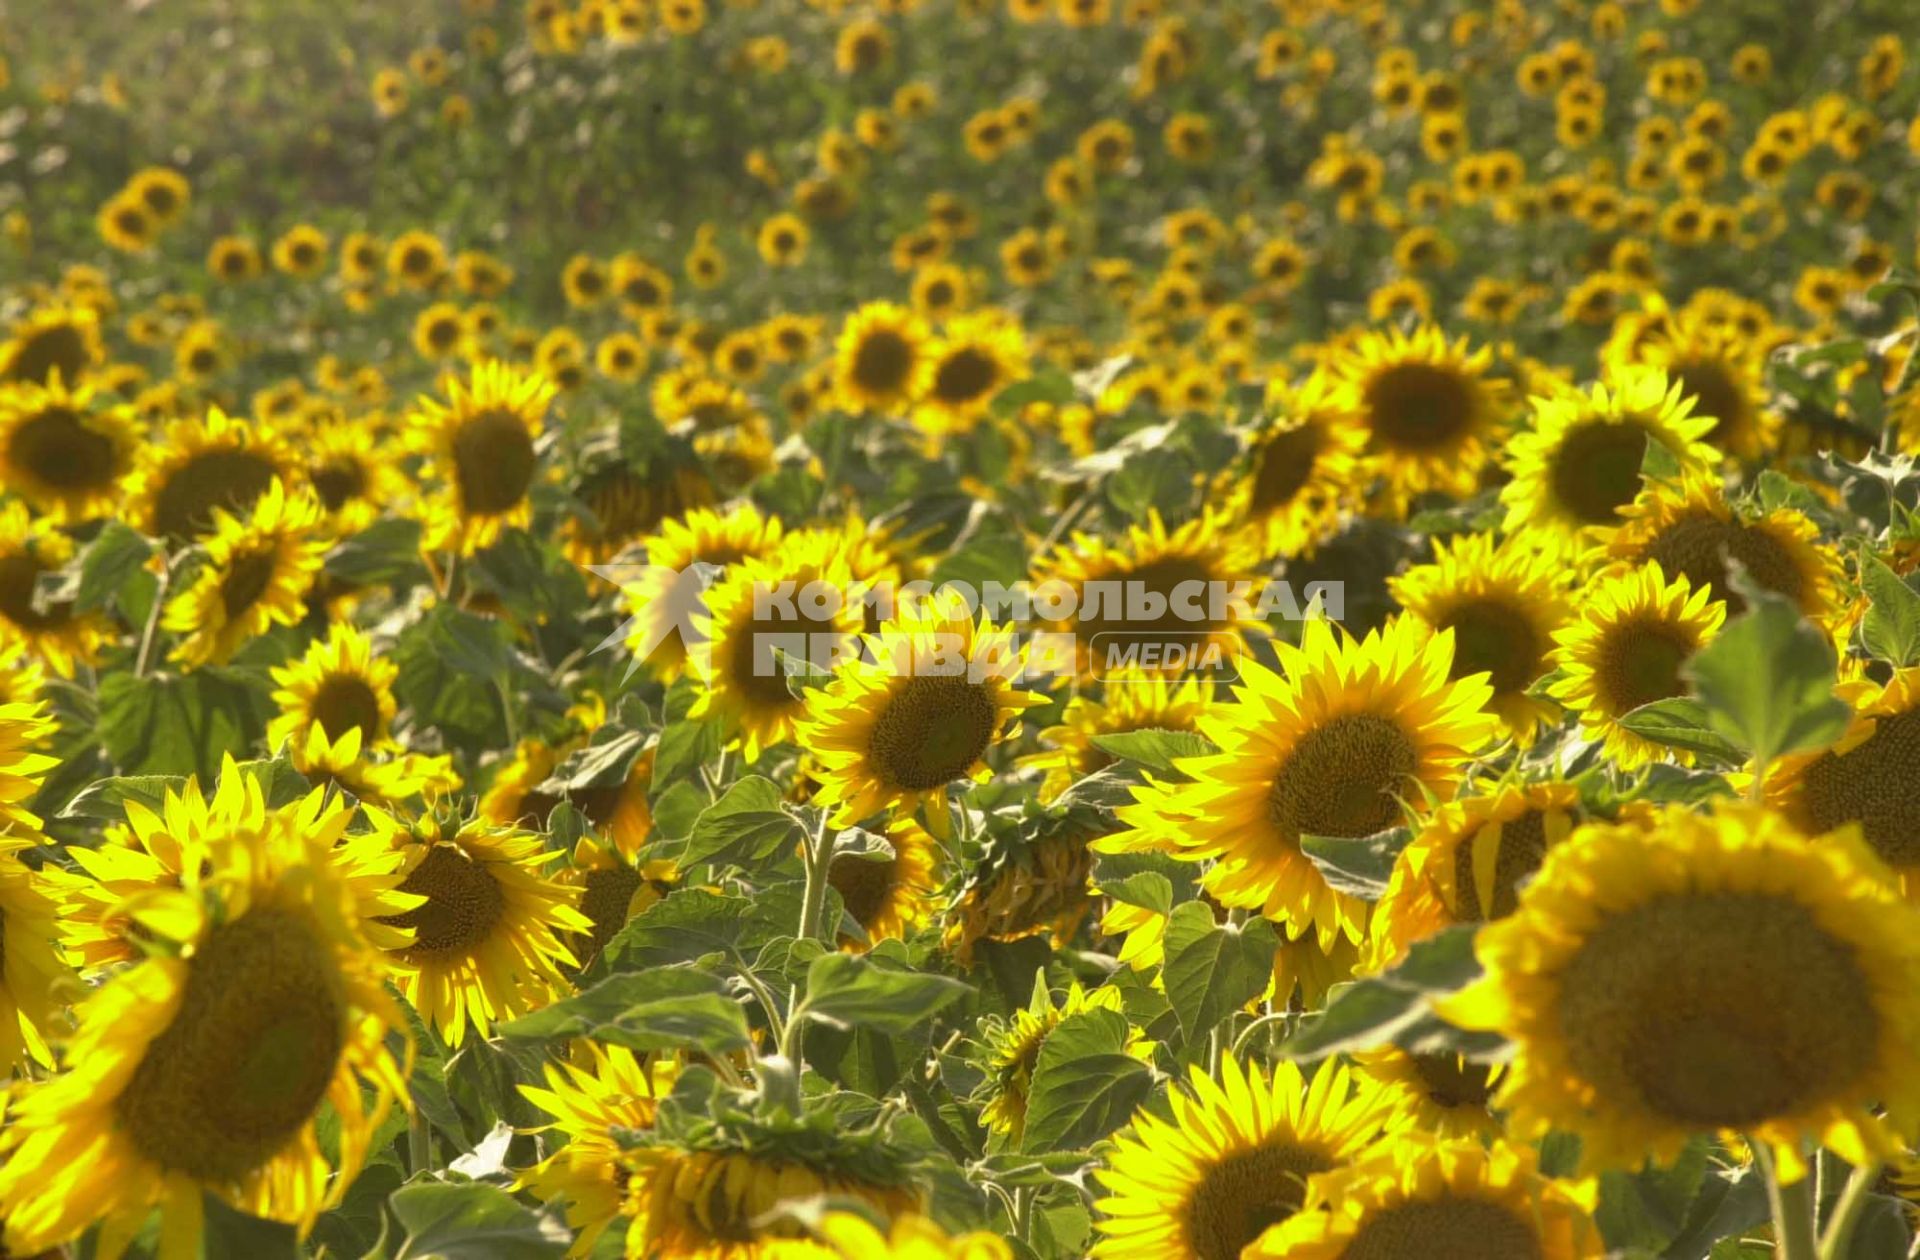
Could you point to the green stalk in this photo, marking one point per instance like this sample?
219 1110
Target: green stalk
1792 1209
1846 1212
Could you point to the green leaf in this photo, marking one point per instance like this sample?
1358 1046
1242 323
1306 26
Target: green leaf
1682 722
1397 1005
685 743
170 724
453 666
605 762
386 553
1766 681
1891 628
1212 971
851 991
114 556
686 924
105 800
1155 749
656 1009
747 826
472 1222
230 1232
1084 1084
1360 866
1648 1209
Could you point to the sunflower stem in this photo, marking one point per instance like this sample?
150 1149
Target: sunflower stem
419 1142
1792 1209
151 631
813 898
1846 1213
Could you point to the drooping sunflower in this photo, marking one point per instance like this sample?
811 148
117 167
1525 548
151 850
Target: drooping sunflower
1577 469
1504 601
1233 1159
195 466
976 356
257 573
1633 633
1430 410
1186 580
51 631
919 711
1442 1094
796 604
880 359
1351 733
53 340
1030 886
339 685
482 444
63 450
486 943
1419 1197
613 1090
659 600
1706 972
1301 468
1130 700
1013 1049
203 1068
1691 530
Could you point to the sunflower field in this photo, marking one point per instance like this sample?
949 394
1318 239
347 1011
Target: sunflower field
976 629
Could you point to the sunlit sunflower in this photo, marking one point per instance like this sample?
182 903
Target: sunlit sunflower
974 358
194 466
63 450
55 339
1013 1050
658 600
1420 1197
932 695
1430 411
881 361
1633 633
1467 862
1870 777
764 618
204 1068
1301 467
1157 599
611 1091
1717 368
887 894
51 631
613 888
1691 531
1706 972
1503 600
1129 700
339 685
383 780
353 472
34 981
482 444
1233 1158
853 1237
256 574
1339 745
1442 1094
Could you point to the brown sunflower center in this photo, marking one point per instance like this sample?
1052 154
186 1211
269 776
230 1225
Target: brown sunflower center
249 575
1717 1009
1419 407
19 576
757 669
965 375
1283 466
222 477
59 449
1341 777
247 1056
1876 785
493 462
1243 1194
346 702
1445 1229
1640 663
932 731
339 483
61 347
608 893
1522 848
864 886
1451 1081
883 361
1596 471
1698 545
464 903
1174 585
1494 636
1716 393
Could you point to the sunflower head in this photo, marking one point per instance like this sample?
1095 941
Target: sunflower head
1011 1049
880 360
1302 467
483 445
51 341
257 572
199 466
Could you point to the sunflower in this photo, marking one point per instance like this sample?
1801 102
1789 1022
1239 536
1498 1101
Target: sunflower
853 1237
880 360
1578 468
482 443
974 358
52 631
256 574
125 223
164 192
1504 601
759 613
921 711
53 339
1428 407
352 470
32 974
301 251
1013 1050
612 890
1130 700
1467 862
1184 579
1233 1157
1691 531
1716 367
486 942
1867 778
613 1093
1349 736
339 685
1301 467
887 893
1634 632
1032 887
203 1068
1706 972
699 537
1420 1197
383 780
194 467
1440 1094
